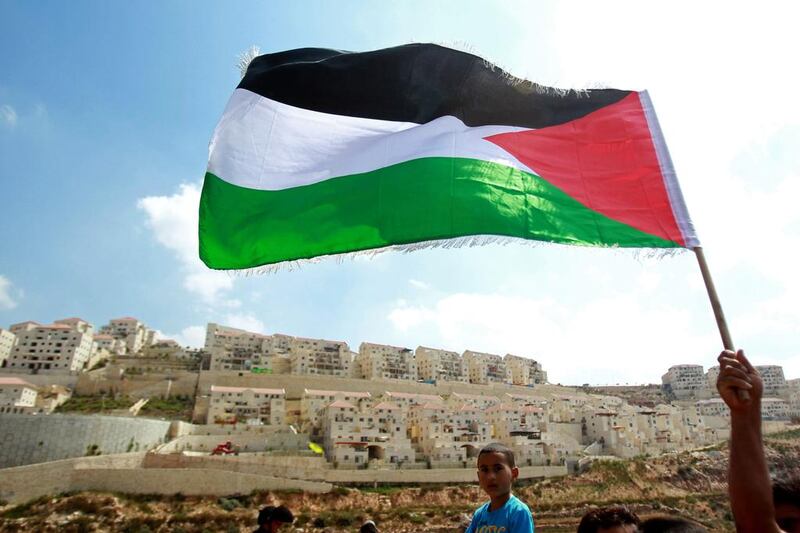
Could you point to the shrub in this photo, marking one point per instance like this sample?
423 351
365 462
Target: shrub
229 504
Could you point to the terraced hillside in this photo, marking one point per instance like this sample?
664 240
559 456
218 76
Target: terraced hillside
690 484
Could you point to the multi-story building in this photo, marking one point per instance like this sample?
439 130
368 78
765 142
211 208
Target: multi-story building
386 362
440 365
17 395
247 404
314 401
435 436
771 408
480 401
484 368
342 441
684 381
320 357
60 348
407 399
773 379
520 428
111 344
711 380
354 436
130 330
524 371
228 338
7 342
775 384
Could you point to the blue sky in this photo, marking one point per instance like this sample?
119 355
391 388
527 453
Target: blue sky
106 110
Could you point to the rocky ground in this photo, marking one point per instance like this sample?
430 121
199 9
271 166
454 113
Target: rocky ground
690 484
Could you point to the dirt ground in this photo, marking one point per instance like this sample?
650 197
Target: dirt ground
690 484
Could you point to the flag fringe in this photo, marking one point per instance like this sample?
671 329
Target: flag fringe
471 241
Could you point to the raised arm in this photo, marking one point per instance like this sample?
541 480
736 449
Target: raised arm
749 485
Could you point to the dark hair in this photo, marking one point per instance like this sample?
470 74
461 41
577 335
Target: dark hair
607 517
671 524
496 447
270 513
368 527
786 491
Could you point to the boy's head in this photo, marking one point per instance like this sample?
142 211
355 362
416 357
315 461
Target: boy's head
271 518
786 497
496 469
609 520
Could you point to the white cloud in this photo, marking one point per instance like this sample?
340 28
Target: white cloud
194 336
609 340
244 321
8 115
173 220
419 284
7 301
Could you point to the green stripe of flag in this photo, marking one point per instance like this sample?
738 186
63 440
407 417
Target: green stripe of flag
418 200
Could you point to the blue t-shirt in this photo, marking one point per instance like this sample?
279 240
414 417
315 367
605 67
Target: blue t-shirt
513 517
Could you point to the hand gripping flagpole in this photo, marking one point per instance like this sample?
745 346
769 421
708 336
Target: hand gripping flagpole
727 341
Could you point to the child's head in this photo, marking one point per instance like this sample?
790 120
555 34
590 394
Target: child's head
271 518
496 469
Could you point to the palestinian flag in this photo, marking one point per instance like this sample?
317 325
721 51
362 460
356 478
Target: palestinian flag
323 152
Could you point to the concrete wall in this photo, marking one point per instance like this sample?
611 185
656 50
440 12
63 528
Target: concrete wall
244 442
294 385
306 468
189 482
28 439
43 380
122 473
151 385
24 483
442 475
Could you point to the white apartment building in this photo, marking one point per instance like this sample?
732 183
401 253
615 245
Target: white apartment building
525 372
238 359
320 357
378 430
773 379
408 399
711 380
794 403
775 383
314 401
771 408
520 427
111 344
17 395
485 368
7 342
684 381
436 436
440 365
247 404
60 348
342 439
131 331
228 338
457 400
386 362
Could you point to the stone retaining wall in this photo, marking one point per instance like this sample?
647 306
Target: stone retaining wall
29 439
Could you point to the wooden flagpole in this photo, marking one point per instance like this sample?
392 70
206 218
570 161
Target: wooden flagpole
727 341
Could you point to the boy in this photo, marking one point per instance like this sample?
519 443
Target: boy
758 506
503 513
271 518
617 519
